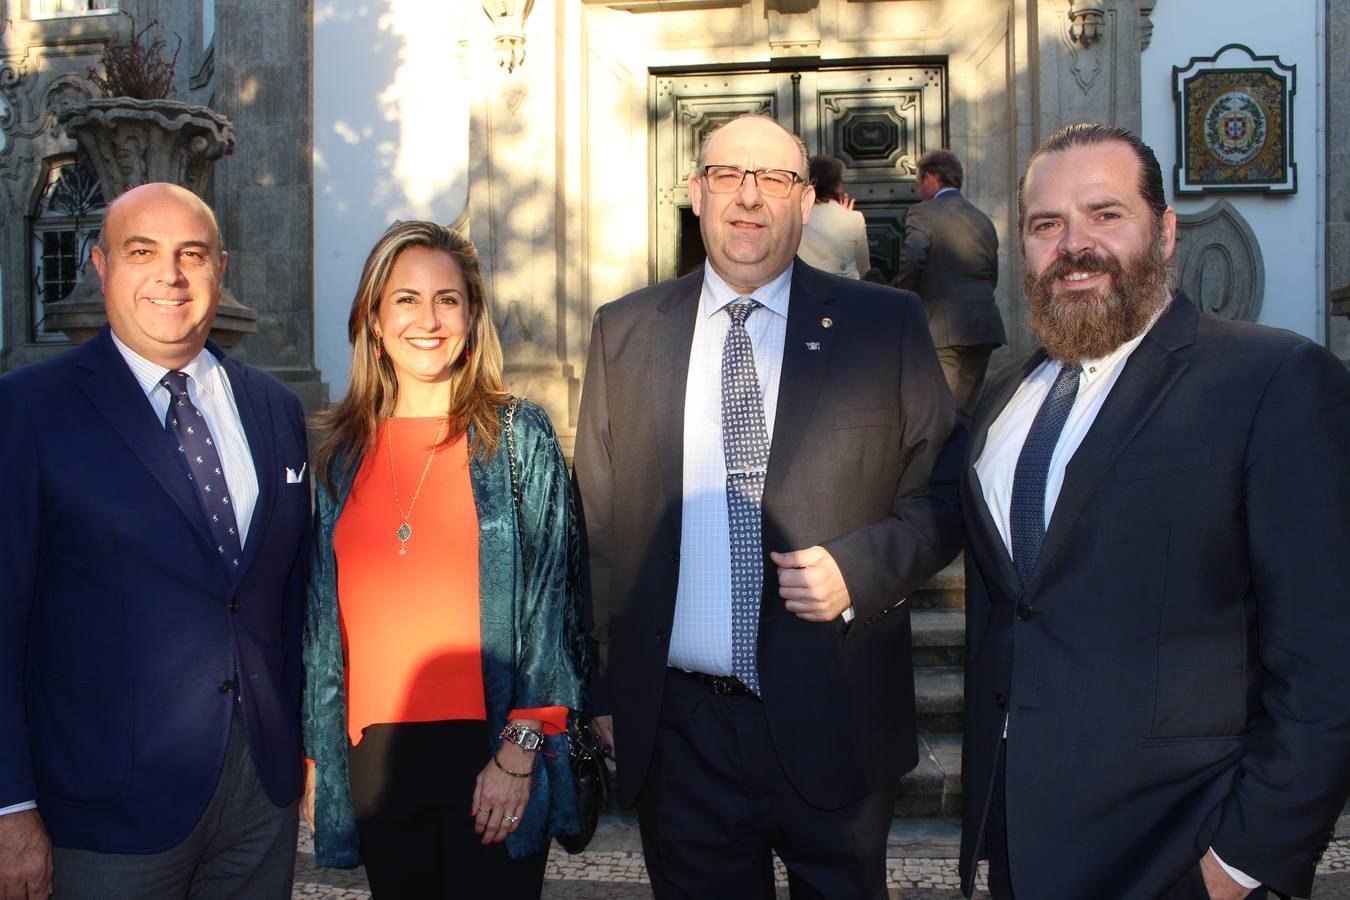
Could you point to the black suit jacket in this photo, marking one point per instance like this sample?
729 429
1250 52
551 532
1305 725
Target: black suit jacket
950 259
864 461
121 630
1176 670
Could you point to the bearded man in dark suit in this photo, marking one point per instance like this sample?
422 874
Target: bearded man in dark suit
1157 509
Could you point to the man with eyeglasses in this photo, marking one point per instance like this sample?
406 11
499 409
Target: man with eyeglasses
766 460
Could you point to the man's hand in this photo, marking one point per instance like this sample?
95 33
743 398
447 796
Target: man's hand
811 583
1219 883
25 857
604 726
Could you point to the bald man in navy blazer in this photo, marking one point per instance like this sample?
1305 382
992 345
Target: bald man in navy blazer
150 637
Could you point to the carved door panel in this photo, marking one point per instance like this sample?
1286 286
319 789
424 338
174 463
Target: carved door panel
878 121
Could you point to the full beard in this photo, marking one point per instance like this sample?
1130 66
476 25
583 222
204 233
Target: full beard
1089 323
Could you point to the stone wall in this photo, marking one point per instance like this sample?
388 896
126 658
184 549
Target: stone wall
260 79
1338 173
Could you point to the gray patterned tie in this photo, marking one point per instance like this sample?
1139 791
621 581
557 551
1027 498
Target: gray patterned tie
201 459
1026 513
745 443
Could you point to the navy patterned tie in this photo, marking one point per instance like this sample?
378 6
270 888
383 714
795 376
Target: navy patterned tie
745 443
1027 510
202 461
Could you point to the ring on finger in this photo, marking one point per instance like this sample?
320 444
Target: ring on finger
484 811
512 819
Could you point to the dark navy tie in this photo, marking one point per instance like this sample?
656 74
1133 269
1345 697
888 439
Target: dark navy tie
1027 511
745 443
185 422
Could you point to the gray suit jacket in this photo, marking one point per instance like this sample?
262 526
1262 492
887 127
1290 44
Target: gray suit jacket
950 259
864 461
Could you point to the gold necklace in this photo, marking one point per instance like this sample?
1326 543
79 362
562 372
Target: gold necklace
405 531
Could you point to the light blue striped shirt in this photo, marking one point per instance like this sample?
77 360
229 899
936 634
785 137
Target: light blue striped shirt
700 639
209 390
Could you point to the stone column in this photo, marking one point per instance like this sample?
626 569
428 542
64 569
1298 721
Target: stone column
517 204
264 192
1087 62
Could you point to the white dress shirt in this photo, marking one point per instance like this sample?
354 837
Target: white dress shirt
998 460
700 639
209 390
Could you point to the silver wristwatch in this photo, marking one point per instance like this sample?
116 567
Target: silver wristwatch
523 736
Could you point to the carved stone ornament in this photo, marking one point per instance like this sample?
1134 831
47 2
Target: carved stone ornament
133 142
1085 24
508 18
1218 262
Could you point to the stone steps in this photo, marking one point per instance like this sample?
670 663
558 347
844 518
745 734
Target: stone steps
938 622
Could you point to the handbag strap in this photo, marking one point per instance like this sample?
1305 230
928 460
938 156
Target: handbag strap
511 459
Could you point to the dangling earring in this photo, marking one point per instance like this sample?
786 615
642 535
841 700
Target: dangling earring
467 353
379 348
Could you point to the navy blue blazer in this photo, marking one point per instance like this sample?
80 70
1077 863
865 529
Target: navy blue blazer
121 632
1175 671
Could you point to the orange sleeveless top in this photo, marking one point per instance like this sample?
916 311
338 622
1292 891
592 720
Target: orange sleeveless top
410 621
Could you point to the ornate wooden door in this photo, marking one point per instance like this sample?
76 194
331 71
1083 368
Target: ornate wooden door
877 119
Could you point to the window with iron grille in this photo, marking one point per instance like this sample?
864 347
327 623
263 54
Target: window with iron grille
65 225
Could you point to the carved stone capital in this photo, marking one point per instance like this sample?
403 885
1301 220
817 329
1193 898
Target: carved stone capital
508 18
1085 24
133 142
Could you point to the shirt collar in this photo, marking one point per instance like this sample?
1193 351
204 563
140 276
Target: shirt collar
1095 368
943 191
772 296
149 374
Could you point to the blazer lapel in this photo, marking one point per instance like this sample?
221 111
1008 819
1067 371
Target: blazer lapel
803 371
117 396
980 527
1148 375
672 338
255 414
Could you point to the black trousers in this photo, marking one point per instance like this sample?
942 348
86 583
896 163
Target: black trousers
716 805
412 788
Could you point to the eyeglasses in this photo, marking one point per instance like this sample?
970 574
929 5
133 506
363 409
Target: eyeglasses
771 182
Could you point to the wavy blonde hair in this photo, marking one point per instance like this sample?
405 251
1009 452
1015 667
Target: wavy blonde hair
476 386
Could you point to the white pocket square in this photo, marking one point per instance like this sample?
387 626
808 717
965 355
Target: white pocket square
294 477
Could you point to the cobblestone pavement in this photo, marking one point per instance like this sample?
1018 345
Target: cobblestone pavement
613 869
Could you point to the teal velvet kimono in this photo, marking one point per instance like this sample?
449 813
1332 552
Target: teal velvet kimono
533 648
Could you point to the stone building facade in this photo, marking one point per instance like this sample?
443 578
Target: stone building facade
560 134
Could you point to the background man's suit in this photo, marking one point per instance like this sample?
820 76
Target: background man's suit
1176 671
123 640
860 463
950 259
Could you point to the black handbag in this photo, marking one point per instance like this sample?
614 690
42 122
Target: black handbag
585 750
591 775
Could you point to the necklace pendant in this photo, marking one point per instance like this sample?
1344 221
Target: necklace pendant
402 550
404 532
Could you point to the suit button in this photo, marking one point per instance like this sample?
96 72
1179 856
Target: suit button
662 636
233 606
675 558
1025 612
225 687
1001 701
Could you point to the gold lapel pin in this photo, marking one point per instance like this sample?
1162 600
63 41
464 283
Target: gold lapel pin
827 322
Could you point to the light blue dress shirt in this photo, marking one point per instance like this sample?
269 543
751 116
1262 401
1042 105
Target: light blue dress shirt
700 640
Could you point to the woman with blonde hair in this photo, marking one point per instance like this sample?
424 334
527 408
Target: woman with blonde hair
443 645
